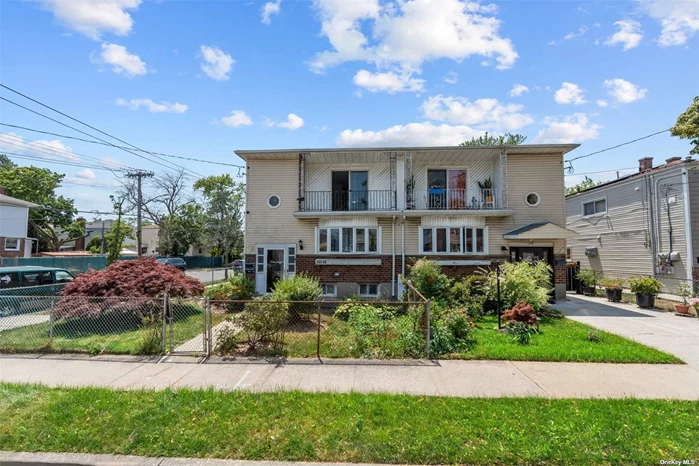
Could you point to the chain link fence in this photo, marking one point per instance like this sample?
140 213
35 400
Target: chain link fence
202 327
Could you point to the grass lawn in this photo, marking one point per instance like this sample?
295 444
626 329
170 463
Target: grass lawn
560 340
295 426
104 335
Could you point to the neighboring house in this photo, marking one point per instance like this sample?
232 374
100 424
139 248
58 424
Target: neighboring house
641 224
150 240
93 229
14 223
357 218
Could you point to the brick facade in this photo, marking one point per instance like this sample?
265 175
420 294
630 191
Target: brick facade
5 253
560 272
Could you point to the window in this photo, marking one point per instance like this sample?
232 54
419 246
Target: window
568 254
11 244
369 290
291 265
9 280
63 277
348 240
273 201
533 199
596 207
36 278
260 260
329 289
454 240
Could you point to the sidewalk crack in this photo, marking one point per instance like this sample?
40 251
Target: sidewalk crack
530 379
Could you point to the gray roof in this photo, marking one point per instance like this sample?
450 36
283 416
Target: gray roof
525 228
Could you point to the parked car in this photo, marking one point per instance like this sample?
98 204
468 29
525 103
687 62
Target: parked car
238 265
176 262
249 267
19 286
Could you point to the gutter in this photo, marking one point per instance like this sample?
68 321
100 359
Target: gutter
689 265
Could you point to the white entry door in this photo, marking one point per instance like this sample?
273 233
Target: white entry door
274 262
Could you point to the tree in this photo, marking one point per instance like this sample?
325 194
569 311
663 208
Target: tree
163 195
6 163
94 245
224 200
687 125
114 239
181 229
507 139
587 183
55 214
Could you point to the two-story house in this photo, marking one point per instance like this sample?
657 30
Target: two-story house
14 220
640 224
357 218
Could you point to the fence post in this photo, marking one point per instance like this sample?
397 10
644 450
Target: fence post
164 332
318 337
207 326
427 340
172 322
497 266
52 318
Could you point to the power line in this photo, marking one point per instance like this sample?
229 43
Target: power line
59 162
604 171
192 159
88 134
570 165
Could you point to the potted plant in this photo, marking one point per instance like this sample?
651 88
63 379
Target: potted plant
613 287
683 291
486 189
645 289
589 278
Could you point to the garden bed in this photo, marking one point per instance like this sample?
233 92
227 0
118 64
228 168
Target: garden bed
376 428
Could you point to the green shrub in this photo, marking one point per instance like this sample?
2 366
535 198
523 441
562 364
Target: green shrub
299 287
380 332
588 277
522 332
262 323
151 338
645 285
226 339
237 288
612 283
521 281
469 293
427 277
449 331
351 305
520 312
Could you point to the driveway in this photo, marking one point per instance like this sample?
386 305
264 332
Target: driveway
205 275
662 330
22 320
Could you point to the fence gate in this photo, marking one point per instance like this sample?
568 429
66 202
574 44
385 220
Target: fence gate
188 326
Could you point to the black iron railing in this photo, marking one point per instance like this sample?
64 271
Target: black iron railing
339 201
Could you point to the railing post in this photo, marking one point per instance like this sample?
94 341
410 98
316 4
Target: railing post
318 337
164 331
427 340
52 319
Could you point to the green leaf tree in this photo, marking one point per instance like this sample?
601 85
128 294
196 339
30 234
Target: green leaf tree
55 214
507 139
223 213
687 125
6 163
583 185
120 230
181 229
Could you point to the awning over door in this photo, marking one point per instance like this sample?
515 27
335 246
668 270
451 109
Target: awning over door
541 230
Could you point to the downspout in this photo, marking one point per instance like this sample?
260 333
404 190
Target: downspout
393 261
402 248
657 211
689 264
651 215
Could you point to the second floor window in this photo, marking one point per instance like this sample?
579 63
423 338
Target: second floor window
596 207
453 240
348 240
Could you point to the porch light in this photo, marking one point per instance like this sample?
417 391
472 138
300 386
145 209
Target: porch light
301 245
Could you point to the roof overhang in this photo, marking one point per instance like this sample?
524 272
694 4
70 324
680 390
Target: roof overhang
468 151
542 230
13 201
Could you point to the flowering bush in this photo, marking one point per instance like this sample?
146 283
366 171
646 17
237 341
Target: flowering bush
427 277
521 281
520 312
694 302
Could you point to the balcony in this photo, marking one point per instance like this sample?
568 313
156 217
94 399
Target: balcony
454 199
348 201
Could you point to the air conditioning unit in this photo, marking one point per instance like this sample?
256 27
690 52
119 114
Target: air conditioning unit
591 252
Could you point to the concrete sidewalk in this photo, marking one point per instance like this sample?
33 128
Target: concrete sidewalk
659 329
417 377
8 458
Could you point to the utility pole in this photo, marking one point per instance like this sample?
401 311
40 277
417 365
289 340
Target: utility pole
102 242
138 174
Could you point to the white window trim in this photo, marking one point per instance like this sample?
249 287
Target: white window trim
538 199
463 242
592 201
330 295
19 246
354 241
274 206
365 295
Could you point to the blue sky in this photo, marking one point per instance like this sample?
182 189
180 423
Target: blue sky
203 78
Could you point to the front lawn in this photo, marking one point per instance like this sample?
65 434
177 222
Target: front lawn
560 340
295 426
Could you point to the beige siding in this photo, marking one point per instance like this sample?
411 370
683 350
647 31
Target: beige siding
266 225
542 174
694 209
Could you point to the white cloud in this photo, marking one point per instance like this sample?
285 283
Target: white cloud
570 129
217 64
293 122
484 112
451 78
571 35
388 82
679 19
406 34
629 34
86 174
269 9
570 93
412 134
237 118
94 17
602 103
45 149
121 61
623 91
518 90
153 107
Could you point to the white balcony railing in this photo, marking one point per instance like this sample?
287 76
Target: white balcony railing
454 199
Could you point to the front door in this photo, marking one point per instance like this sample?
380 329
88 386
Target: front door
535 254
275 268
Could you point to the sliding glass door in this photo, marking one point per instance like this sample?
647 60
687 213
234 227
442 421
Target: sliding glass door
350 190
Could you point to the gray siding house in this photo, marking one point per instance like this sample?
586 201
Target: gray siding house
646 223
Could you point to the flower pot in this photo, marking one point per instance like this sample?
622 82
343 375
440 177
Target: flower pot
589 290
646 301
682 309
614 295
